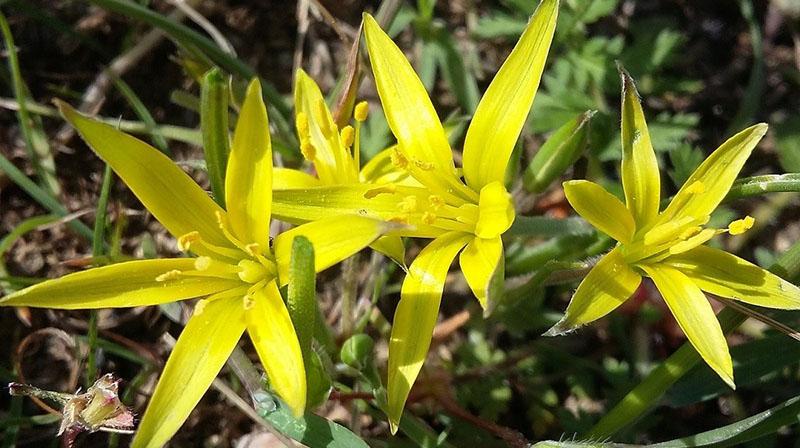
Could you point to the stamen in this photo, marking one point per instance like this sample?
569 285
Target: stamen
209 267
373 192
423 165
223 225
408 204
361 111
741 226
399 159
185 241
169 275
436 202
428 218
308 150
347 135
697 187
301 122
691 243
668 231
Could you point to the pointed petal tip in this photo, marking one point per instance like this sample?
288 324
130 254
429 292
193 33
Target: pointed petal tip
393 426
559 329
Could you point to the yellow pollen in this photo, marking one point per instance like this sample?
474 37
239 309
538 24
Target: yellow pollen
321 113
388 188
399 159
740 226
423 165
308 150
435 201
248 302
301 122
170 275
408 204
428 218
690 232
185 241
398 220
202 263
361 111
347 136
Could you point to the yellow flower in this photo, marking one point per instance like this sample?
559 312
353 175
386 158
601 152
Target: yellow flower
667 246
237 268
465 217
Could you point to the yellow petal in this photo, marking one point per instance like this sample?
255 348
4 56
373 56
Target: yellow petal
504 107
334 239
410 114
168 193
120 285
608 285
482 264
275 340
248 179
287 178
601 208
495 211
331 161
392 247
695 316
727 275
710 182
202 348
415 318
371 201
640 174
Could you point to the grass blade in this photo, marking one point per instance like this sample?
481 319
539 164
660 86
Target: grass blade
214 126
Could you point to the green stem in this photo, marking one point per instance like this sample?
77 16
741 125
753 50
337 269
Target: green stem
98 249
758 185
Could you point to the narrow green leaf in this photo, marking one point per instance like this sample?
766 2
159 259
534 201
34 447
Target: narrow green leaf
559 152
302 295
527 226
41 196
35 139
214 126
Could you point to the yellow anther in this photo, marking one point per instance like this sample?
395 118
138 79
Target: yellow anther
301 122
690 232
740 226
347 135
408 204
398 159
324 119
423 165
202 263
200 307
697 187
361 111
436 202
253 249
428 218
185 241
668 231
169 275
308 150
388 189
248 302
398 219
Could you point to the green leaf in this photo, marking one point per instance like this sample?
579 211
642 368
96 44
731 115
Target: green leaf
753 362
560 151
685 159
214 126
302 300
